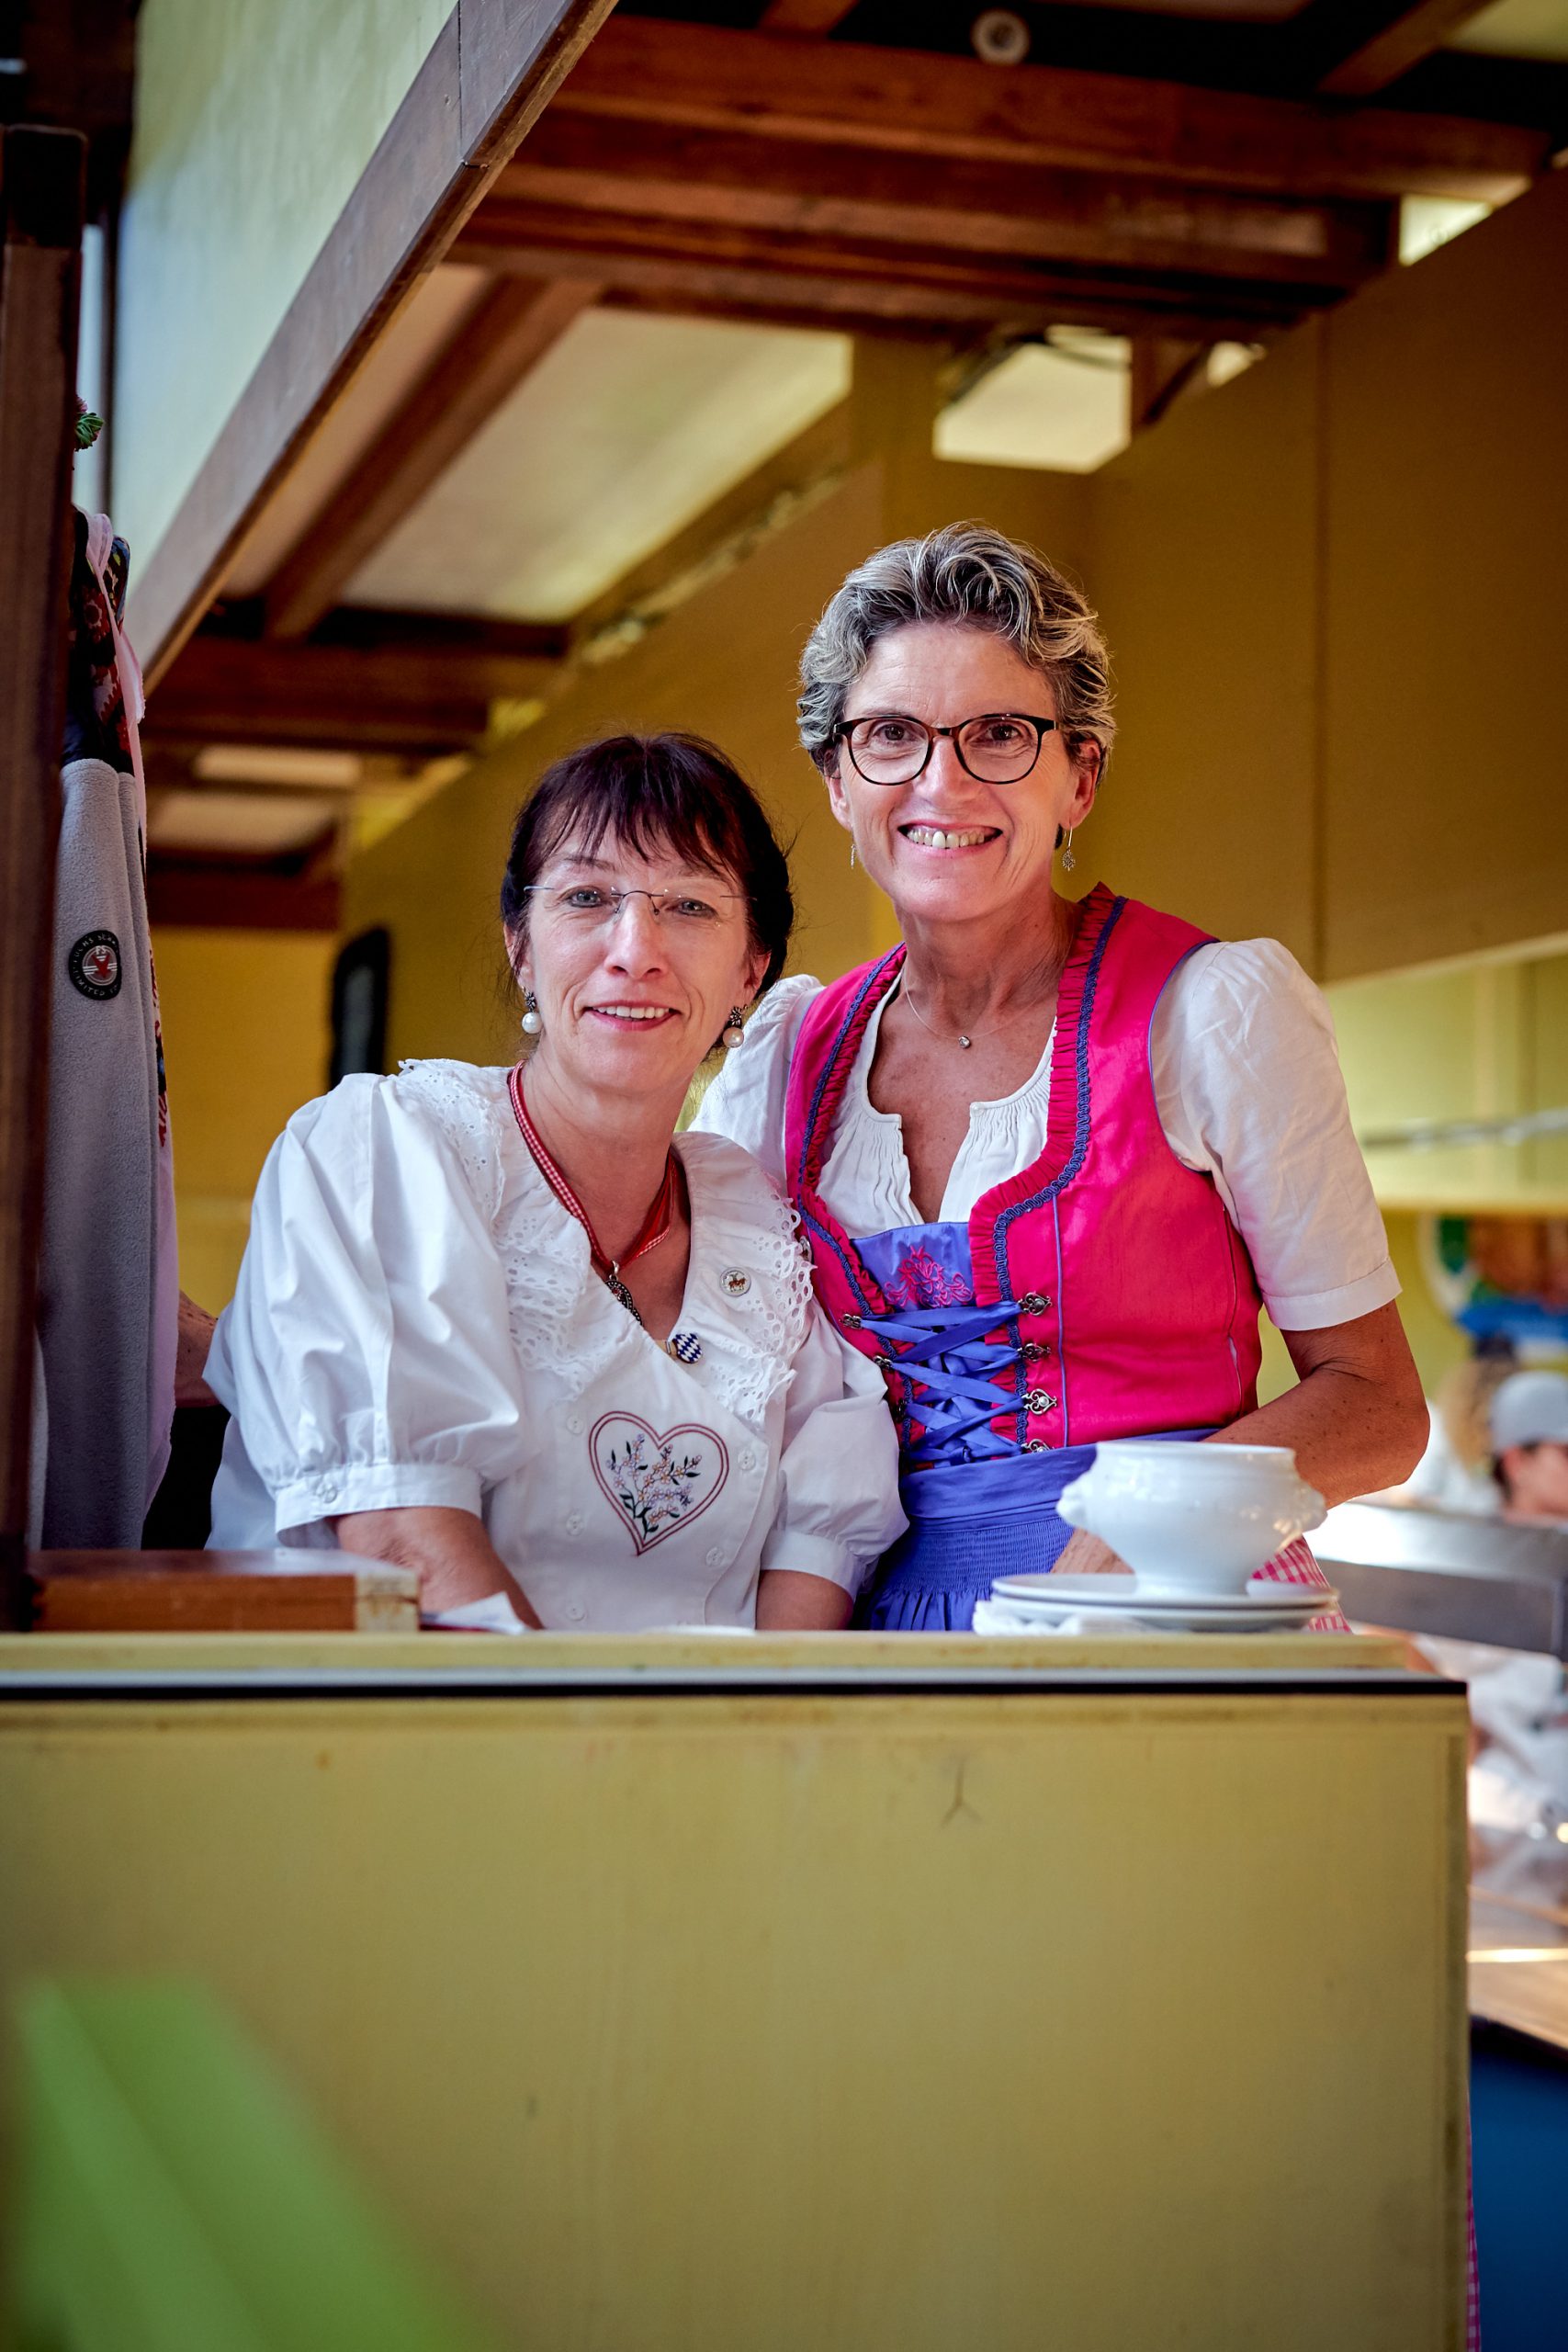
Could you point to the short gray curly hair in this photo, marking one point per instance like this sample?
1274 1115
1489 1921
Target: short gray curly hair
967 573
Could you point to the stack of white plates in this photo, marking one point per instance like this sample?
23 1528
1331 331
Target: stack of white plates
1263 1608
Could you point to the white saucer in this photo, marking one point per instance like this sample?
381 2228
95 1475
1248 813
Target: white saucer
1262 1608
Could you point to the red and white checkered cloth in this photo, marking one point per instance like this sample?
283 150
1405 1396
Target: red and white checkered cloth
1295 1565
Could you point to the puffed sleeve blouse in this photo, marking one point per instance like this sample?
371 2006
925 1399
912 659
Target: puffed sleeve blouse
417 1322
1249 1091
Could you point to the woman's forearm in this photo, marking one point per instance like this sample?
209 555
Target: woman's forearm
448 1550
1357 1420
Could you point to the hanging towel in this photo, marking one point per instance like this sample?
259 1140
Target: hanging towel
108 1287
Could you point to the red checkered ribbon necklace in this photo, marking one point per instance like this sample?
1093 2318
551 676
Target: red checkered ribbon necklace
656 1224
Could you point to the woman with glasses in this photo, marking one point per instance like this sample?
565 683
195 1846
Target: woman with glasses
1052 1157
501 1327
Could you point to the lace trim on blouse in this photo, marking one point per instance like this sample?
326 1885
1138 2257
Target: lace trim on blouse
562 1318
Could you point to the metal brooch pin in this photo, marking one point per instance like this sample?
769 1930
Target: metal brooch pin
734 1282
685 1346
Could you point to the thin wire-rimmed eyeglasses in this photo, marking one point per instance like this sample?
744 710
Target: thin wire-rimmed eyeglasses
995 747
589 904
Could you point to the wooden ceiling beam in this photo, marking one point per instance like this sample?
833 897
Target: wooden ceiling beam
861 286
1114 220
804 16
405 694
503 655
841 93
495 348
212 894
1377 47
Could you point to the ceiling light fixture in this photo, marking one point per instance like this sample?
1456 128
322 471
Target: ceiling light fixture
999 37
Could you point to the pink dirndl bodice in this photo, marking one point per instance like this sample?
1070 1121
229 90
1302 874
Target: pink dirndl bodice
1128 1302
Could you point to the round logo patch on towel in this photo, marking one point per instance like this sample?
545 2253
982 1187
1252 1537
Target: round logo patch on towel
94 964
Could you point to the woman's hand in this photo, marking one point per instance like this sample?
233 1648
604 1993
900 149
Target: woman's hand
788 1602
1086 1555
448 1550
191 1350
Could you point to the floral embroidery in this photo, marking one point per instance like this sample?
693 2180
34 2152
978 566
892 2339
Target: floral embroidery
921 1281
658 1482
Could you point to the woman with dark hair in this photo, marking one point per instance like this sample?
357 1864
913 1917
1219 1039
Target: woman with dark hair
503 1327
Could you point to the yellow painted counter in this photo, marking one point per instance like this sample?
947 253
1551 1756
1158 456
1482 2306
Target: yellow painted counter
786 1995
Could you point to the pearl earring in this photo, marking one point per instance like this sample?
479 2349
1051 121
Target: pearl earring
1068 860
531 1024
852 852
734 1033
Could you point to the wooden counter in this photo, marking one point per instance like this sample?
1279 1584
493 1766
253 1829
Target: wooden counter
811 1991
1519 1938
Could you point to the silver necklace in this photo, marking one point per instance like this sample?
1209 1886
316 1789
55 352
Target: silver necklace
964 1041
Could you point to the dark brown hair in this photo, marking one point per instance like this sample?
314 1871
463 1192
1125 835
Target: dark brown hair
670 793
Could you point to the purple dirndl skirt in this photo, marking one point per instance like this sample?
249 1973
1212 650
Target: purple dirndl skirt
969 1524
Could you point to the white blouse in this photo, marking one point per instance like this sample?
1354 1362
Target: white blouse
417 1321
1249 1091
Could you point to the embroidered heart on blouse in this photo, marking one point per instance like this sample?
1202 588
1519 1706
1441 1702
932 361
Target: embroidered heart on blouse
658 1482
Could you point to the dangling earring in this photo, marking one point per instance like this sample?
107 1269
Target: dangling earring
531 1023
1068 860
734 1033
852 850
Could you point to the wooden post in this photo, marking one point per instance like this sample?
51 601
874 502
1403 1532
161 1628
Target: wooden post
43 180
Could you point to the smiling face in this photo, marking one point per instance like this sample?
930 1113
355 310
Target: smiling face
947 847
632 1001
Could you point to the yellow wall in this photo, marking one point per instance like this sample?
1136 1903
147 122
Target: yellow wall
1445 518
1482 1041
1334 590
246 1037
254 121
1437 1343
1202 566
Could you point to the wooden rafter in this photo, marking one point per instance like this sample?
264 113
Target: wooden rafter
398 689
864 287
809 17
1377 47
497 346
78 60
218 894
839 92
1101 219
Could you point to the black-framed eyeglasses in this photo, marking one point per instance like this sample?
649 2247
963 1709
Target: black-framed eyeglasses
591 904
995 747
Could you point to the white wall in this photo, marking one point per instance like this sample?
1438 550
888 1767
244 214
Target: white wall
254 118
